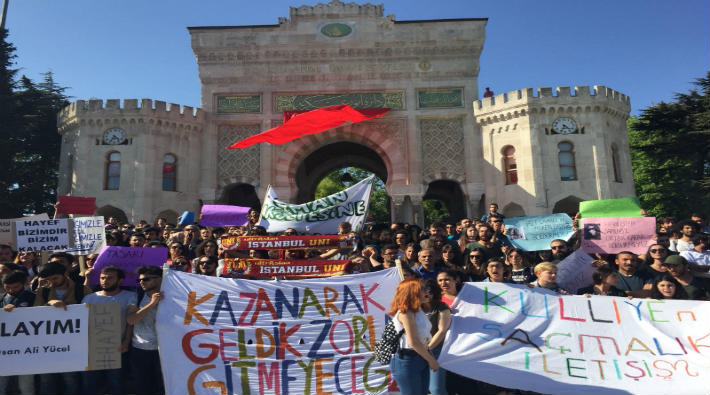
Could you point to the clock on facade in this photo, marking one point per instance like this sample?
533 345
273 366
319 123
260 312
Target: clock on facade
114 136
564 125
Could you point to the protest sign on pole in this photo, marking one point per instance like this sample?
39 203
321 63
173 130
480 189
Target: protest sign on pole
44 340
321 215
575 271
286 242
76 205
535 233
89 235
286 337
288 268
223 215
609 208
129 259
537 340
614 235
42 235
7 236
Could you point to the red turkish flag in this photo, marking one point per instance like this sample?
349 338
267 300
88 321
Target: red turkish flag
311 122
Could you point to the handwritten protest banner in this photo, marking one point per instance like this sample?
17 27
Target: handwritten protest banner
537 340
288 268
89 235
42 235
43 340
321 215
607 208
6 233
614 235
283 337
76 205
223 215
104 336
535 233
575 271
286 242
129 259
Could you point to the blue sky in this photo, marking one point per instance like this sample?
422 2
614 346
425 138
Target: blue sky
106 49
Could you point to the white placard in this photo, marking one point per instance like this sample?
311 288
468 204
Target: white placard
42 235
89 235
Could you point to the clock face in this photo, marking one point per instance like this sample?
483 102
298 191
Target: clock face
114 136
564 125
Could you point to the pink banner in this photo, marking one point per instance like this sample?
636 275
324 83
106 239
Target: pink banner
223 215
614 235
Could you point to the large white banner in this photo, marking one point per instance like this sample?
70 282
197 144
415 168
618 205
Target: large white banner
320 216
540 341
44 340
221 335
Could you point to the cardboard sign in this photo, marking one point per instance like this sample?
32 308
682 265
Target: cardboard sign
223 215
7 236
76 205
286 242
608 208
536 340
129 259
575 272
104 336
89 235
42 235
614 235
537 232
289 268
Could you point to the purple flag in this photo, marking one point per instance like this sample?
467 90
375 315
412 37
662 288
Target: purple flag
128 259
223 215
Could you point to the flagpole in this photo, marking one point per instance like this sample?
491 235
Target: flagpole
5 3
261 210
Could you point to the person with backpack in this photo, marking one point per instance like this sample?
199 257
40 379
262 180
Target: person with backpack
59 292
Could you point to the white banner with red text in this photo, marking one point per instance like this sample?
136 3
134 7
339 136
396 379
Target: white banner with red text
221 335
533 340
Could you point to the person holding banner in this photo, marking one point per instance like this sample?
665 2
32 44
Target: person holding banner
410 365
439 315
145 359
546 273
109 281
16 296
60 292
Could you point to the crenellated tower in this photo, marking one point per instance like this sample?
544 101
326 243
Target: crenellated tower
115 151
545 150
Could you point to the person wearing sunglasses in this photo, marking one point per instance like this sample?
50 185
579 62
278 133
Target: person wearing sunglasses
145 359
206 265
474 269
559 249
653 260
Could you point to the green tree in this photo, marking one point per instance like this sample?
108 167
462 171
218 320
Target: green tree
670 153
338 180
434 209
29 139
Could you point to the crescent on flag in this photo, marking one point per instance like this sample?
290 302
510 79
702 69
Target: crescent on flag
311 122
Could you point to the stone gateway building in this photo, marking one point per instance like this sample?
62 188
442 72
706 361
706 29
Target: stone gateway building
531 151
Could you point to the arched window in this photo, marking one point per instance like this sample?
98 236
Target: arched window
509 166
113 171
568 170
615 163
169 172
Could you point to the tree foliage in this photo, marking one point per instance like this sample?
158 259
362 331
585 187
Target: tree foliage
337 181
29 139
670 153
435 209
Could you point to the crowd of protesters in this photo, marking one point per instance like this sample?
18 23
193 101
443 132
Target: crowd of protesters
441 257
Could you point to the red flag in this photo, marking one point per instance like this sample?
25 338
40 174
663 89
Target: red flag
311 122
76 205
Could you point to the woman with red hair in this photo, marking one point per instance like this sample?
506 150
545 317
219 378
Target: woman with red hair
410 365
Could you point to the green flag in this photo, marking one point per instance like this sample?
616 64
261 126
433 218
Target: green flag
622 207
